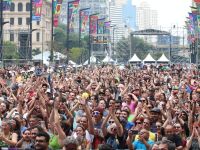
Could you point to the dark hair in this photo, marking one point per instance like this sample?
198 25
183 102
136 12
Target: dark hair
105 147
40 129
44 134
44 84
171 145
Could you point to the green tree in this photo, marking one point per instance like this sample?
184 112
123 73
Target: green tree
75 53
137 45
35 52
10 50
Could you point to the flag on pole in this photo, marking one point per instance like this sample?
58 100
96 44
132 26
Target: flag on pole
107 27
57 6
197 1
72 14
84 20
100 25
6 5
93 24
36 10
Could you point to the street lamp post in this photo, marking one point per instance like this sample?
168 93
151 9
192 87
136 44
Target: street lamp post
113 37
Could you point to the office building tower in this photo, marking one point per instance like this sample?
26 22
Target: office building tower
146 18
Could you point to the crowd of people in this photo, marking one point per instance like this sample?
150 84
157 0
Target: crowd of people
100 107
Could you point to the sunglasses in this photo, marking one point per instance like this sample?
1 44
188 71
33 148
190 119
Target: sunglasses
95 113
111 122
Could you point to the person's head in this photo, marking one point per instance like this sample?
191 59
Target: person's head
124 114
70 143
15 124
158 126
144 133
6 126
167 145
34 131
44 87
80 130
105 147
33 121
102 104
111 103
156 146
169 131
112 129
84 121
42 141
146 124
117 113
97 114
117 104
71 96
4 107
26 135
178 128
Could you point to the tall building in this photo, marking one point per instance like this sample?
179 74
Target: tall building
116 18
146 17
129 14
19 25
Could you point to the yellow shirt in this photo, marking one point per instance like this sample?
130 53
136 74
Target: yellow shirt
152 136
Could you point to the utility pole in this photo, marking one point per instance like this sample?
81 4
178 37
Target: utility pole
30 31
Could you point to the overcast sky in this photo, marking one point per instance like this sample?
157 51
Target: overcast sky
170 12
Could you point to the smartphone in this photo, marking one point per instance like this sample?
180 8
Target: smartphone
134 132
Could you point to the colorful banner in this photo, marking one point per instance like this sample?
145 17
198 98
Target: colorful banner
197 1
93 24
107 27
72 14
6 5
36 10
100 26
198 21
84 19
57 6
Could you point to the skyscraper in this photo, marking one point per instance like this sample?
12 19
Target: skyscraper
129 14
146 17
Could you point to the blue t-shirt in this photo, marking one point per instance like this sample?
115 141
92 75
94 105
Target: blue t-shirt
140 146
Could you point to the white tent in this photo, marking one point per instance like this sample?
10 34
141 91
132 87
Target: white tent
149 59
46 56
93 60
163 59
108 59
134 59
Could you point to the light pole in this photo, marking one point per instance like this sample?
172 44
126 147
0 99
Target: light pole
3 23
113 37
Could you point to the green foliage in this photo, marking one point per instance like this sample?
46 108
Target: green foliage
35 52
10 50
75 53
60 44
137 45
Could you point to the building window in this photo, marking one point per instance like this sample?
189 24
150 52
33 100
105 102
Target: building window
38 37
12 37
27 6
12 21
38 22
27 21
19 21
20 7
12 7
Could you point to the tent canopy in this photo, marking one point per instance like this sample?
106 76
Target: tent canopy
108 59
163 58
135 59
149 58
93 60
46 56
